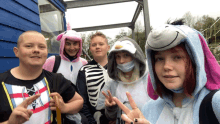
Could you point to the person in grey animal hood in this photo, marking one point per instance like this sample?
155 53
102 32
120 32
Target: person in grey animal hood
128 70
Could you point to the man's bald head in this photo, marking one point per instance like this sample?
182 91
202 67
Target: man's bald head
22 36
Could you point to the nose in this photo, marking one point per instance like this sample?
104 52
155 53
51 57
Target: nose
36 49
97 46
122 61
72 46
168 65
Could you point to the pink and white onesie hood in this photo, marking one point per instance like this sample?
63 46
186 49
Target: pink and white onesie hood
70 35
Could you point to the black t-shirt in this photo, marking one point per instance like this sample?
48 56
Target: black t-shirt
13 91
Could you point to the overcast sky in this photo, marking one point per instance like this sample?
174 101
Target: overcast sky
159 10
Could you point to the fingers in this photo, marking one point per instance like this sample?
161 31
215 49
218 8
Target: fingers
131 101
107 103
121 105
126 119
141 121
29 100
56 97
55 94
110 96
106 96
23 112
57 101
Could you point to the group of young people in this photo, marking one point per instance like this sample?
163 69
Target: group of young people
176 83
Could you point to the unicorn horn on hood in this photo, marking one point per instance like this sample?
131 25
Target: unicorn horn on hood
68 26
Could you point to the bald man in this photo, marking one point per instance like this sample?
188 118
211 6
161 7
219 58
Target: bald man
27 94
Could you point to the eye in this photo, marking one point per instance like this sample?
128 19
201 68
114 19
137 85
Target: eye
117 56
75 43
42 47
67 43
177 57
126 55
157 59
28 45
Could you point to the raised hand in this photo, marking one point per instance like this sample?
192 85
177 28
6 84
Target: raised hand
108 99
21 114
57 101
131 116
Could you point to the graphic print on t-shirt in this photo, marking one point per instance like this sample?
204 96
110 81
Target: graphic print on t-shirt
40 107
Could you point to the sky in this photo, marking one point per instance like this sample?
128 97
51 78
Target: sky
159 12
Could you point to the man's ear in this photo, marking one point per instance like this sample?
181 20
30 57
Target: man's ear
15 49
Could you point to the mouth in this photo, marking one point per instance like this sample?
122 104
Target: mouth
73 51
35 57
169 76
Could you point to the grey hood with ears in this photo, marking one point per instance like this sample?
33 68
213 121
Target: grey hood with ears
131 46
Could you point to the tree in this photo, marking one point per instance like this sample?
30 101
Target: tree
189 19
121 34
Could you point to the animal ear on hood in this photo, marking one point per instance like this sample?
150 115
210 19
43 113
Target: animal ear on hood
60 36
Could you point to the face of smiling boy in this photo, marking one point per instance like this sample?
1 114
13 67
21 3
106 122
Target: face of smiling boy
71 47
32 49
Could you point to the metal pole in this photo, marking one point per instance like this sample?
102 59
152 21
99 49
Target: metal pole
146 18
86 54
133 33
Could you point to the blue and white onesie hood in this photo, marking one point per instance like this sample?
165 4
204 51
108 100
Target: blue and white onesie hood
172 36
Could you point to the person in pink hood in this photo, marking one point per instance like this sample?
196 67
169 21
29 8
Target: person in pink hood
68 62
70 52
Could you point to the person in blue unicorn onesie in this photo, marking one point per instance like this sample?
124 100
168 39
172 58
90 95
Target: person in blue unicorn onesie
128 71
185 76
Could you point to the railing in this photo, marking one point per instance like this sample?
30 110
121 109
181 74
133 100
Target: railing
211 31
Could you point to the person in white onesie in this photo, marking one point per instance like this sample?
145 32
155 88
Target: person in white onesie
128 69
70 60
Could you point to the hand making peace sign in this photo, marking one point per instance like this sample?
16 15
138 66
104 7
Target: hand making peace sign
108 99
21 114
131 116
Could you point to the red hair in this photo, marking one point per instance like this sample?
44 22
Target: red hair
190 77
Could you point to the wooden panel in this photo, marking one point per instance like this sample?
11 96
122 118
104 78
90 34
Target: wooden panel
6 49
31 5
9 34
15 21
8 63
36 1
20 11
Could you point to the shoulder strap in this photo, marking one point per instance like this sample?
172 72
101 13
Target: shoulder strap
57 63
56 81
206 113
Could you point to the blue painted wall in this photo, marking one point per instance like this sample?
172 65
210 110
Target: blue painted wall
18 16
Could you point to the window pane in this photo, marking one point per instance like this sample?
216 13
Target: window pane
51 24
